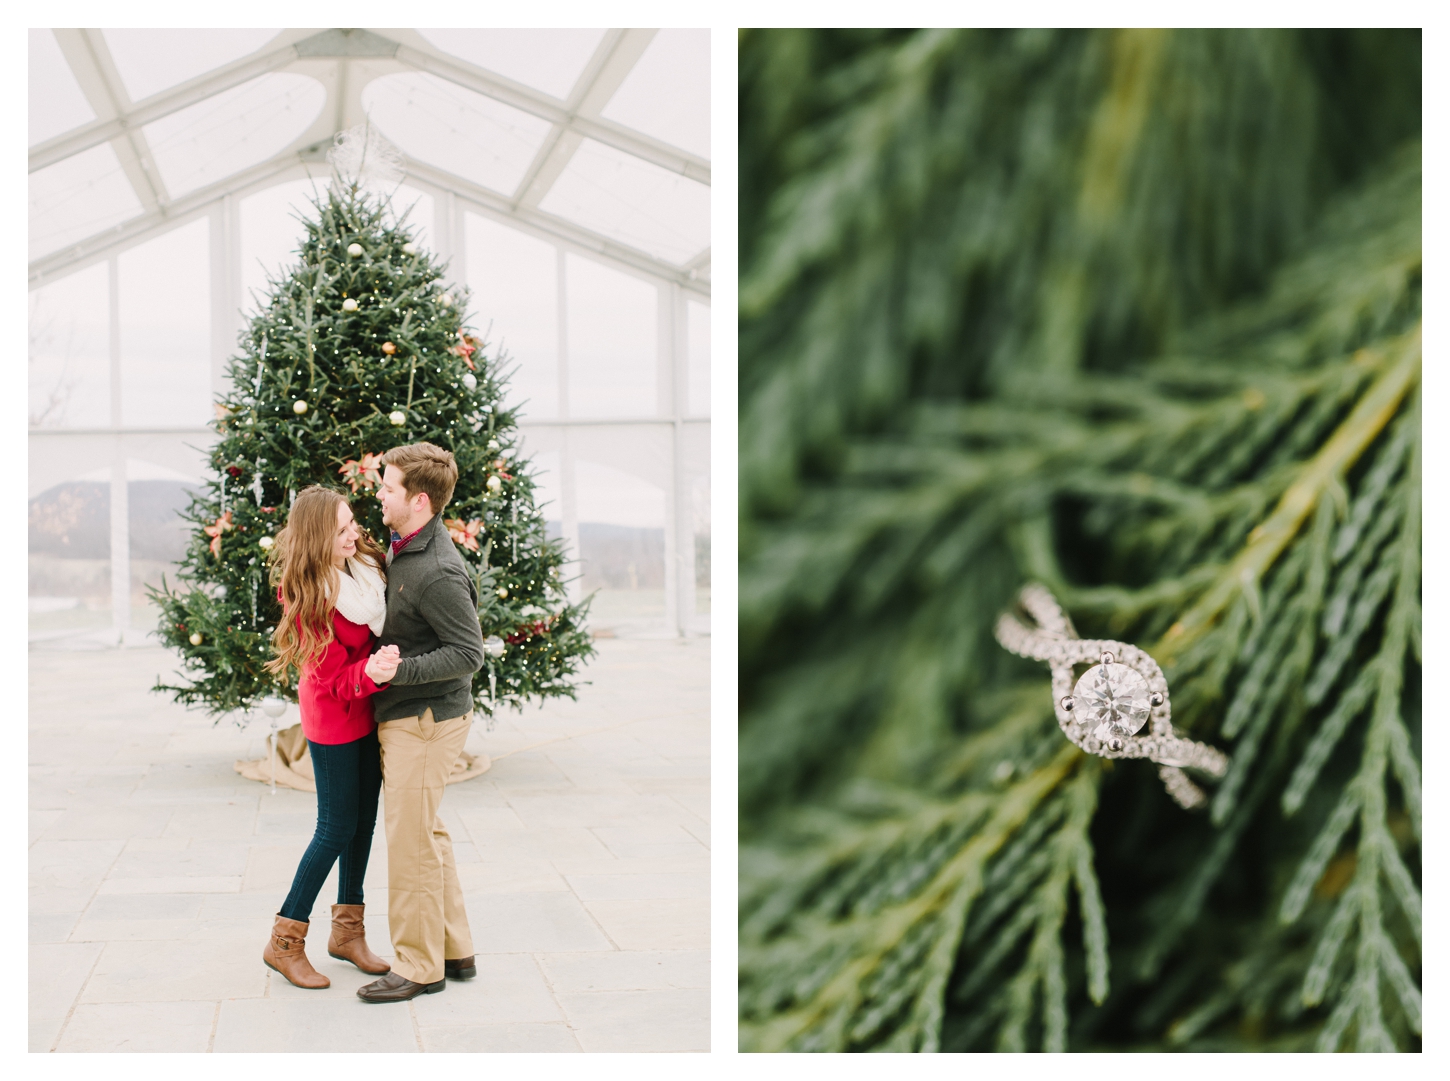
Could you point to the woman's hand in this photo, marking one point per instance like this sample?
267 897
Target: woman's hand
383 664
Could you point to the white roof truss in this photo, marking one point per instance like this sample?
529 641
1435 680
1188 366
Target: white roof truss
344 61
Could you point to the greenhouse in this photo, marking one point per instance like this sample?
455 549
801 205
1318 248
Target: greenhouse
563 178
530 211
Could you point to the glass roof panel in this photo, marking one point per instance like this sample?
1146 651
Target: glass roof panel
230 131
547 60
632 201
56 102
471 136
76 197
271 233
153 60
667 93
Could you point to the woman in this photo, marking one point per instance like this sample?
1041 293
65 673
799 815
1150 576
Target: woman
329 578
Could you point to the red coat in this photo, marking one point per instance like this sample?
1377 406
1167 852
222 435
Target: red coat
336 694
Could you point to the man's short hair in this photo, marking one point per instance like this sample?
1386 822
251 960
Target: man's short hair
426 468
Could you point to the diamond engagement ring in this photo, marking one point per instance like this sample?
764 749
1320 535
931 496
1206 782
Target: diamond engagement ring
1112 701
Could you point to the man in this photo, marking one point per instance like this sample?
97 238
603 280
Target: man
423 720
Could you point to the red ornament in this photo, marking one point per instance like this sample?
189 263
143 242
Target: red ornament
529 630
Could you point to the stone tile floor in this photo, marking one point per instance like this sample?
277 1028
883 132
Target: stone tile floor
155 870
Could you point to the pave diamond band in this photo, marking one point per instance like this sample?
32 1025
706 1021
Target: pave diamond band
1114 700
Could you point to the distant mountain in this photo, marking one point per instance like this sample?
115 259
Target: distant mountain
73 520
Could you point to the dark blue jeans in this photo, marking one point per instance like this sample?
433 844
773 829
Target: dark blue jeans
349 777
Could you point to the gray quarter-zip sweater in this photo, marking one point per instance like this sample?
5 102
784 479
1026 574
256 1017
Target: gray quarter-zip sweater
433 620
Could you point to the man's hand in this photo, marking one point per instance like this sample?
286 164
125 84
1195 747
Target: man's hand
383 664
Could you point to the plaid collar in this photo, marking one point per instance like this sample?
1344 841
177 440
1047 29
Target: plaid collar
399 543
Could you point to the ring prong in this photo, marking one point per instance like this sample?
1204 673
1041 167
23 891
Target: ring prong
1155 700
1107 657
1066 702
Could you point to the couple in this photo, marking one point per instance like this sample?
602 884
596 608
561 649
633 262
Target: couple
396 719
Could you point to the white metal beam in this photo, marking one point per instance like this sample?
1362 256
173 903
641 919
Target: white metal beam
120 510
610 65
95 72
555 111
360 56
129 233
301 46
169 101
552 227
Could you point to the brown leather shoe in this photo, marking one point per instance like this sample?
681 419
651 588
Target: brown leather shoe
348 944
286 953
394 988
462 969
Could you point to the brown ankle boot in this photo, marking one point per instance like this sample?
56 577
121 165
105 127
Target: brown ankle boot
348 944
286 953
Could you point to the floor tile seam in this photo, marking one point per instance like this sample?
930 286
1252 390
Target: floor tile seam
216 1016
640 990
704 822
92 900
417 1031
75 1002
593 918
554 997
581 735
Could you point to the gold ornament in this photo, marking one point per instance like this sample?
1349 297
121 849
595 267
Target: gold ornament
398 417
389 348
355 250
195 638
265 543
349 305
299 407
503 591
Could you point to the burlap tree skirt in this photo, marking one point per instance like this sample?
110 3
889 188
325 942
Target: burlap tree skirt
294 763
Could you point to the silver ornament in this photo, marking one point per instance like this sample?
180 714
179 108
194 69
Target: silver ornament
355 250
398 417
469 381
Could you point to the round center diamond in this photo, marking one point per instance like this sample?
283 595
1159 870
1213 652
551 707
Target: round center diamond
1112 699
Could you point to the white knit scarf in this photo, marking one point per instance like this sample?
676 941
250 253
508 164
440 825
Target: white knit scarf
362 596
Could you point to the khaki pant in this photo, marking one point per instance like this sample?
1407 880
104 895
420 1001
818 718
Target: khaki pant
425 903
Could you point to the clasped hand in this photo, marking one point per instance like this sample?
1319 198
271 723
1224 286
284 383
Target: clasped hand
383 664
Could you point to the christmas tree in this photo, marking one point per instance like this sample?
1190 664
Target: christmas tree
1133 314
360 347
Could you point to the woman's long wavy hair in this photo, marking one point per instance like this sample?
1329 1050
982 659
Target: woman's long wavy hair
302 569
